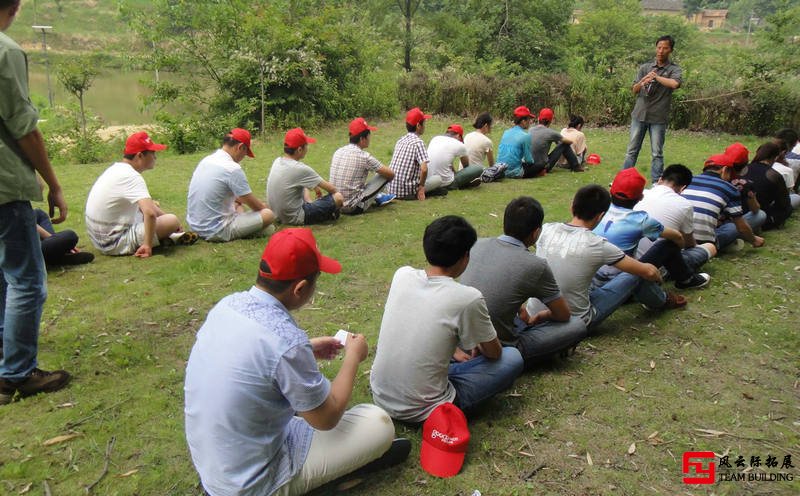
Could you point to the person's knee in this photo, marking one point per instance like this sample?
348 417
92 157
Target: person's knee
267 217
168 224
512 360
380 423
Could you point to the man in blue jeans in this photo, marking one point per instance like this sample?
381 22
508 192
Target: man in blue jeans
653 87
508 274
22 276
437 343
574 254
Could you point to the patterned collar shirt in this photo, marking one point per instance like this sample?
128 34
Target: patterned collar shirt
349 168
409 153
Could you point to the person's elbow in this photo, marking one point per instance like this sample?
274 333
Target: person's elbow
492 349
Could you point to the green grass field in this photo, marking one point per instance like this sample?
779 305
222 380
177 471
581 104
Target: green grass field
721 375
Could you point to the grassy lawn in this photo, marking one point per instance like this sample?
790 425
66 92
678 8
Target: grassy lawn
720 376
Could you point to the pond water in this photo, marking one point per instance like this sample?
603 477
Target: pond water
116 95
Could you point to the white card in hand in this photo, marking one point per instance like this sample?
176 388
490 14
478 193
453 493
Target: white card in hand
341 336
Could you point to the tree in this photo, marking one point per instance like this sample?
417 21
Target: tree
77 76
408 8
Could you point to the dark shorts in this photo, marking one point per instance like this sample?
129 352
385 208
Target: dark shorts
321 210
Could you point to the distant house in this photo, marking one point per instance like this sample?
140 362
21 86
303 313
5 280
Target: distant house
710 18
662 7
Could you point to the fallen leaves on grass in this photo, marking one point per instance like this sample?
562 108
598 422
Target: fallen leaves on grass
61 439
27 488
747 396
620 388
711 432
652 364
589 458
128 473
632 449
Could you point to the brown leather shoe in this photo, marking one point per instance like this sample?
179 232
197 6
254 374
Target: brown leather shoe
674 301
38 381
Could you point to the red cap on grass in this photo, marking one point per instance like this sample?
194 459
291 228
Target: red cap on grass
293 253
456 128
628 184
359 125
242 136
522 111
593 159
445 439
546 114
295 138
141 142
415 116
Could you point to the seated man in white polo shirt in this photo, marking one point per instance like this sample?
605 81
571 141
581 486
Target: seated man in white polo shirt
219 190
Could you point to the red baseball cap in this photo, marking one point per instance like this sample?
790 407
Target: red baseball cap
293 253
456 128
359 125
546 114
522 111
738 153
295 138
628 184
445 439
141 142
415 116
593 159
242 136
721 160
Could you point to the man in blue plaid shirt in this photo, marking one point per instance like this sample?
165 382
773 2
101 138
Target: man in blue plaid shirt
410 161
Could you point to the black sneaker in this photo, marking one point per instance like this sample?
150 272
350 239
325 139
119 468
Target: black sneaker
396 454
696 281
38 381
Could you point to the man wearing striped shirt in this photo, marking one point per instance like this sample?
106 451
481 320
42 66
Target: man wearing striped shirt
410 161
711 194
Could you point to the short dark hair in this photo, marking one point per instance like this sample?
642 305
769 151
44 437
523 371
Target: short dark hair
357 138
482 120
575 121
230 140
788 136
4 4
411 128
523 216
667 38
277 287
288 150
447 239
623 202
767 151
517 120
589 201
677 174
128 156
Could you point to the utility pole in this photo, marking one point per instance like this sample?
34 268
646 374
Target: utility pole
44 30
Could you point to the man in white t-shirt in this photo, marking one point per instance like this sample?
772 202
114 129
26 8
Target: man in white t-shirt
664 203
442 152
479 145
121 217
288 180
219 191
437 343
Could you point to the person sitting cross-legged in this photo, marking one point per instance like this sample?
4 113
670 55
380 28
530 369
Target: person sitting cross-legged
260 417
445 149
508 274
437 343
575 253
541 139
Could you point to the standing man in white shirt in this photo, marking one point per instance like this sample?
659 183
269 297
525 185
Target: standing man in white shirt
219 191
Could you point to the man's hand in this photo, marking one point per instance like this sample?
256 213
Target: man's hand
144 251
356 346
55 199
421 193
318 192
541 316
326 347
462 356
652 273
758 241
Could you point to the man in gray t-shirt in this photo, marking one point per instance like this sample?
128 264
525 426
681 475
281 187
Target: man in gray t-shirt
653 87
542 137
508 275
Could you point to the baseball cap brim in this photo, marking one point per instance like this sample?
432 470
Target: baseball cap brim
439 462
155 147
250 152
329 265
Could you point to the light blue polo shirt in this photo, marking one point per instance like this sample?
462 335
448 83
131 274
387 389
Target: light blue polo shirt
250 370
514 148
624 228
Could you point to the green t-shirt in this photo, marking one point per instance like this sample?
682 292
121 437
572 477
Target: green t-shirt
18 117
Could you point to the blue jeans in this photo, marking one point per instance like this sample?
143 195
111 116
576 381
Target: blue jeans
727 232
548 338
615 292
658 133
22 289
479 379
